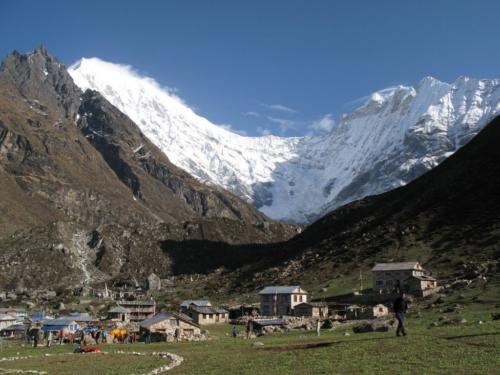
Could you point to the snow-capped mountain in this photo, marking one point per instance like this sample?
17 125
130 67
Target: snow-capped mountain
395 136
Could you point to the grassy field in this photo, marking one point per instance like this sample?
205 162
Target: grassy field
466 348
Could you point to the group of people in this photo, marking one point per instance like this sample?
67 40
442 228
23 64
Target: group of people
36 336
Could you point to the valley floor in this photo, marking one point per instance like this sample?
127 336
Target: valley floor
469 348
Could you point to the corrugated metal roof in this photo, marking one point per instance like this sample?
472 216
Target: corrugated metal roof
4 310
136 303
196 302
15 327
58 322
402 266
163 316
80 317
269 322
209 310
7 317
119 310
281 289
313 304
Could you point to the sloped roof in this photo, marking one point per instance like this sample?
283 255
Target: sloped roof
196 302
163 316
15 327
268 322
209 310
7 317
4 310
119 310
80 317
313 304
58 322
137 303
401 266
281 289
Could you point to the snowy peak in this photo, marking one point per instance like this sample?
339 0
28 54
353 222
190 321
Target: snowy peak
397 134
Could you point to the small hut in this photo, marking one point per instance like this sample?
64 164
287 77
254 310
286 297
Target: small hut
314 309
119 314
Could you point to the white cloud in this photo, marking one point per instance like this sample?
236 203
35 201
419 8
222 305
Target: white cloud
284 124
324 124
229 128
263 131
251 114
278 107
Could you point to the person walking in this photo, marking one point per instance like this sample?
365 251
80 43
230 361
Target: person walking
400 307
50 336
249 328
318 327
234 332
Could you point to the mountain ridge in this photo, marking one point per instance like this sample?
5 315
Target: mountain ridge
393 137
78 177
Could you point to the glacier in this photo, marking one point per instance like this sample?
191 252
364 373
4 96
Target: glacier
396 135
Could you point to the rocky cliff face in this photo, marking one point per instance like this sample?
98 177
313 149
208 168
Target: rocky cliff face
85 195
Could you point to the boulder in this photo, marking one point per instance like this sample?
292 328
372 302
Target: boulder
373 326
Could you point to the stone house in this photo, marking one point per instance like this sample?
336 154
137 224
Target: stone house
171 326
313 309
238 311
422 285
281 300
6 320
139 310
356 312
14 331
404 276
119 314
207 315
185 305
17 312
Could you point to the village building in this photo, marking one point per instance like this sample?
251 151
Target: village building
238 311
187 304
263 326
356 312
139 310
14 331
281 300
170 327
313 309
422 285
207 314
81 318
6 320
404 276
58 325
17 312
119 314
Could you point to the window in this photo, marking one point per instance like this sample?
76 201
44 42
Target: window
294 298
379 282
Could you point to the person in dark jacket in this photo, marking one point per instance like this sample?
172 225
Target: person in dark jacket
400 307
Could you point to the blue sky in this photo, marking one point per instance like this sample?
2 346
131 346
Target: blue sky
267 66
